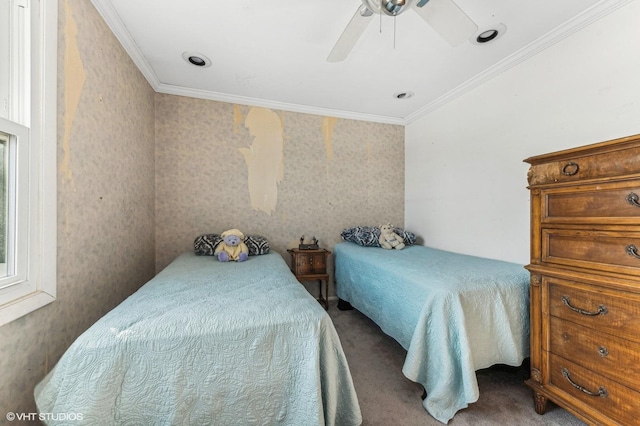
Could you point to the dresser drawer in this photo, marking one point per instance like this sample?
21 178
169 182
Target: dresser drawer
585 166
613 203
613 251
601 353
610 398
599 309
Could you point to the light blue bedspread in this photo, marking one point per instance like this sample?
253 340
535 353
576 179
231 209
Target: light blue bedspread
208 343
454 314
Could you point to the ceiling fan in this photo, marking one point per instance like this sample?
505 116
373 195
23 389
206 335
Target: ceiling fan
444 16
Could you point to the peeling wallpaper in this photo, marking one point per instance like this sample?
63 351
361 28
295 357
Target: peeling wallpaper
141 174
327 133
272 173
105 200
74 77
264 158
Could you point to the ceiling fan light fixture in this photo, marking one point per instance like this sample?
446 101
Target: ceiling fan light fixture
196 59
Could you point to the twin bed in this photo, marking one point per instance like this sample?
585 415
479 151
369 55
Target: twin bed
453 314
206 342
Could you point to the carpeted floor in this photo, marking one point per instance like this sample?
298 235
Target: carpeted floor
388 398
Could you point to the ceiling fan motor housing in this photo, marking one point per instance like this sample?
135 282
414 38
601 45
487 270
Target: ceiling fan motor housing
389 7
393 7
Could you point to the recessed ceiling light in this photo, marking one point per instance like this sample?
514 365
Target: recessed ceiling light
487 36
403 95
490 34
197 59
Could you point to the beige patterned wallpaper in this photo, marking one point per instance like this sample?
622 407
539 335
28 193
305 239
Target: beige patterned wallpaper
105 200
140 175
273 173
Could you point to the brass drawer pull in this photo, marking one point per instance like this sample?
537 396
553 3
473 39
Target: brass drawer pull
570 169
633 199
632 250
602 310
602 392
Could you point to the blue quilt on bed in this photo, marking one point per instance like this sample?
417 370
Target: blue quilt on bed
454 314
207 343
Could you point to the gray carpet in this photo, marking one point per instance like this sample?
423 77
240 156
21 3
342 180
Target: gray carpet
388 398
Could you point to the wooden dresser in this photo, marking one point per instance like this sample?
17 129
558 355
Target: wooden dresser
585 281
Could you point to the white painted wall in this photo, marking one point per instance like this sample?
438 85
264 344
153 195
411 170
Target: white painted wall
465 183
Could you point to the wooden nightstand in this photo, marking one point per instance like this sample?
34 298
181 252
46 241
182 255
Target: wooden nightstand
311 265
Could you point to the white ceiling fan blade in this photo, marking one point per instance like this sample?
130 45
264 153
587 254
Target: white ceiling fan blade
350 35
447 19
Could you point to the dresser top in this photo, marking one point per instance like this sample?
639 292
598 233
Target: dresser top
596 148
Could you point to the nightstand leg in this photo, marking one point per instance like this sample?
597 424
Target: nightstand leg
324 300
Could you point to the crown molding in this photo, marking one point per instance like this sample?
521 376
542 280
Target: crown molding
111 17
280 106
554 36
561 32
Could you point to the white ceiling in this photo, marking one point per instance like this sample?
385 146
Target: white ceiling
273 53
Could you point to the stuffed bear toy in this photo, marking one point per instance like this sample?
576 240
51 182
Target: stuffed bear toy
389 239
232 247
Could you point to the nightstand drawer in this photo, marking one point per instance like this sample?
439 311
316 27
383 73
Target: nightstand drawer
601 353
614 313
310 264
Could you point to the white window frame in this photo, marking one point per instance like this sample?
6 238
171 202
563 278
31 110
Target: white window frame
36 234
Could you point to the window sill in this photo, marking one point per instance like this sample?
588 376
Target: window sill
23 306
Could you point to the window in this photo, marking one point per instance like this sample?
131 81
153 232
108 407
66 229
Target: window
4 167
28 55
